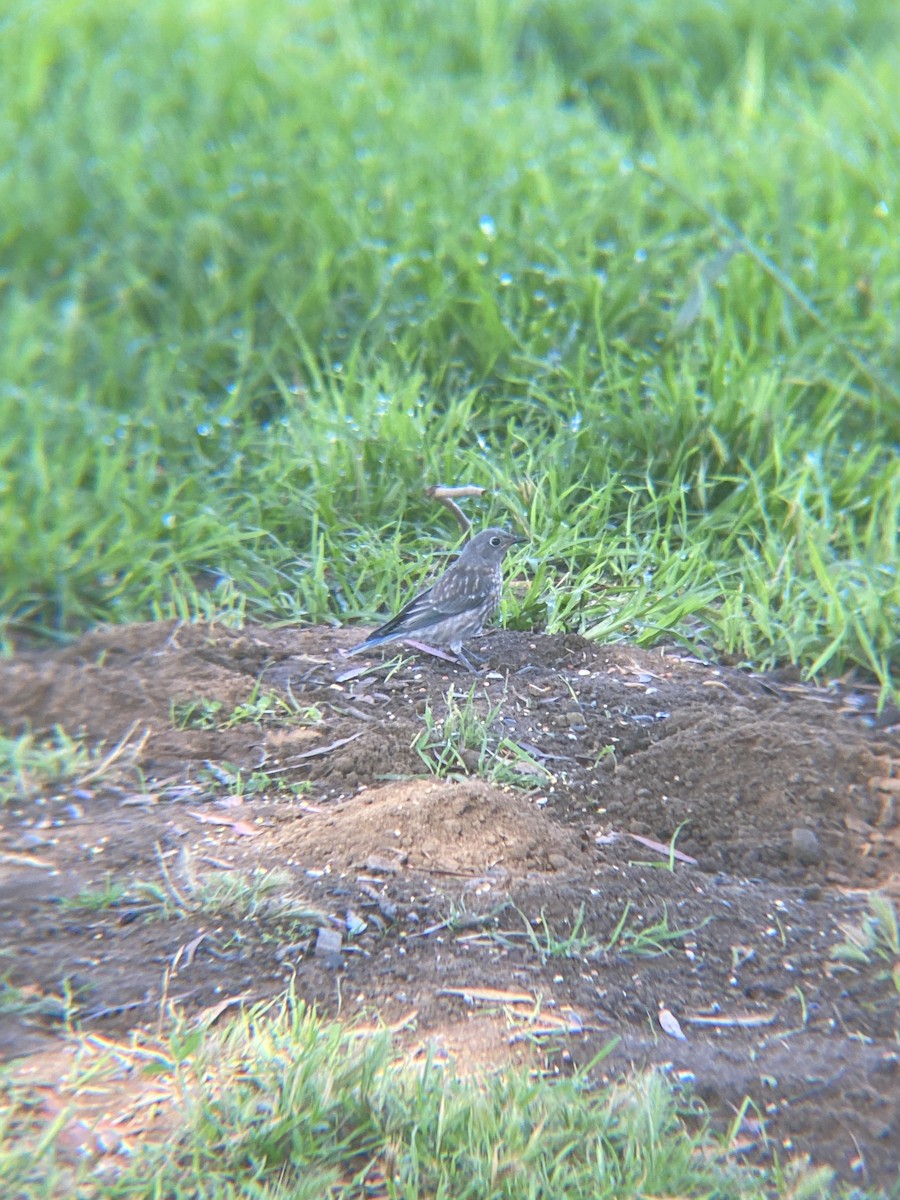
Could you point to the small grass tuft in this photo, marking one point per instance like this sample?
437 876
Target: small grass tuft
31 1002
258 894
876 939
226 779
260 707
196 714
549 945
645 941
30 765
33 768
465 742
627 938
109 894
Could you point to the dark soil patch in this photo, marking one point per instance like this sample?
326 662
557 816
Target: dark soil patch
452 897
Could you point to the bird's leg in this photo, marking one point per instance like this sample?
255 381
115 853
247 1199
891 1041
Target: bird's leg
425 648
466 661
477 657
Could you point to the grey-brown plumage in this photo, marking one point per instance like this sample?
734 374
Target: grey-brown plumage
456 607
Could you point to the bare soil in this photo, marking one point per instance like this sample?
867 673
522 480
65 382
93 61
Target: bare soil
537 912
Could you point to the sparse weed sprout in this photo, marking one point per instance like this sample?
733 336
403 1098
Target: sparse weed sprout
226 777
627 937
876 938
549 944
96 898
195 714
465 742
258 708
645 941
267 706
255 894
29 764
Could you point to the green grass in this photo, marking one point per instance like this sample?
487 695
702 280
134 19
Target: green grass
634 937
875 941
30 765
257 894
259 707
267 270
284 1106
465 741
48 767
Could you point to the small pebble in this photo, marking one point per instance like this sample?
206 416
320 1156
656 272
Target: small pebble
328 946
805 846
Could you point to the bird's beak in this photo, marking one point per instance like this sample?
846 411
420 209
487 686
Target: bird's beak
519 539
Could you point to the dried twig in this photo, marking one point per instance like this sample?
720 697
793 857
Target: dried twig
315 753
115 753
448 497
168 882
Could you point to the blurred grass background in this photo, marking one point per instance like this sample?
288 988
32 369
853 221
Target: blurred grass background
267 270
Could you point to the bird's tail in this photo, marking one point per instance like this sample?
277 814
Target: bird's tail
369 643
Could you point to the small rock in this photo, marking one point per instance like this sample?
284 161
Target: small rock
328 946
355 923
292 949
383 865
557 861
30 841
805 846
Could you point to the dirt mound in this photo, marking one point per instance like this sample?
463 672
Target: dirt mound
738 785
466 828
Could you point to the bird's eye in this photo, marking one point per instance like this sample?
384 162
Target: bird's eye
495 541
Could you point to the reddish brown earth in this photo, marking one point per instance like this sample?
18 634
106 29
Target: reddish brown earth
449 902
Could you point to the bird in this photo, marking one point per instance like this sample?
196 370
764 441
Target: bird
457 604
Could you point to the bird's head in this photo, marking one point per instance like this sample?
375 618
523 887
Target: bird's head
490 545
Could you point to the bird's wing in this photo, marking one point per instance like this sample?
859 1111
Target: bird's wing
455 592
461 588
415 611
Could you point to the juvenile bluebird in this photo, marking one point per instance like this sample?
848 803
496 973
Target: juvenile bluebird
457 605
